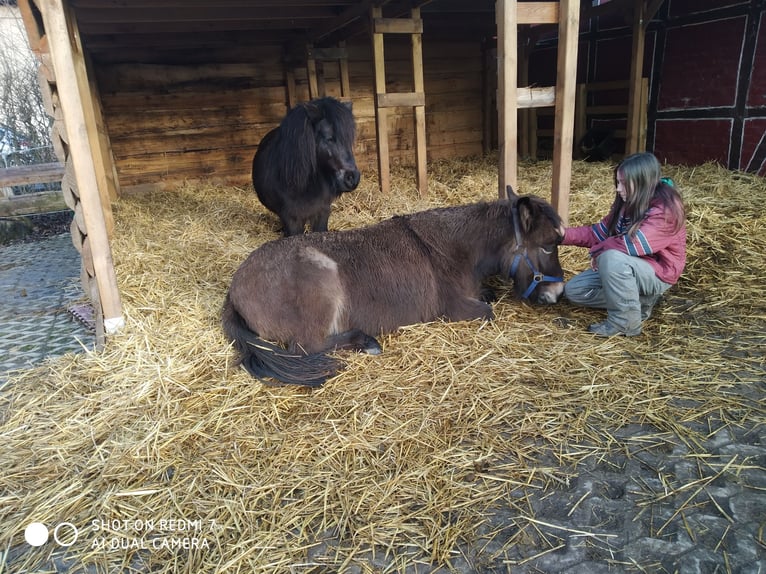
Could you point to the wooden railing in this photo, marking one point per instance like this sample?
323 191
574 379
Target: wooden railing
583 111
29 203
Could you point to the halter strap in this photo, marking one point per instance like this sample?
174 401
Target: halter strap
537 276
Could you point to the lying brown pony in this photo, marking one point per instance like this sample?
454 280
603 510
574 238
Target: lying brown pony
324 291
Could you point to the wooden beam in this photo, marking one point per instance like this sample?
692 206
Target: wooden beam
397 25
106 170
566 86
643 119
345 84
535 97
101 151
68 66
221 4
311 71
324 54
381 113
525 47
32 203
420 108
292 97
401 99
537 12
30 16
348 16
632 144
26 174
352 21
489 89
507 112
581 118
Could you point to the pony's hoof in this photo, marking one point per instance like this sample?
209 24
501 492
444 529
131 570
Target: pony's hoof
372 347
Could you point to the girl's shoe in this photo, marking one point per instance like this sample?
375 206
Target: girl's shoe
606 329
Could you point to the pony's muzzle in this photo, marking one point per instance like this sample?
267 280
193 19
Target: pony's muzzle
549 293
349 179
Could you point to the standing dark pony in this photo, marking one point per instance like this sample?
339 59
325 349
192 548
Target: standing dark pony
305 163
323 291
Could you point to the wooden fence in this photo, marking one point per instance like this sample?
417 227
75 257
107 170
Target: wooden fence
30 203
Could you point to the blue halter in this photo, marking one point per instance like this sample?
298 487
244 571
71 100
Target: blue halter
537 276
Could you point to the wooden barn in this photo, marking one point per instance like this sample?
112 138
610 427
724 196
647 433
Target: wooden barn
146 94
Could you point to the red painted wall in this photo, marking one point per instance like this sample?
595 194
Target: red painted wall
707 101
706 64
693 142
699 72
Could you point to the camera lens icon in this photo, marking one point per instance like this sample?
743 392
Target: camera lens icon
65 534
36 534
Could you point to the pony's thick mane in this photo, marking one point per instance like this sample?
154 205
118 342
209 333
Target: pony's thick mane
294 148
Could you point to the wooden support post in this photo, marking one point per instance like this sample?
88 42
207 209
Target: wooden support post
420 110
108 181
638 95
73 90
292 98
643 120
381 113
581 117
488 93
345 84
636 73
311 69
566 84
98 140
507 33
532 133
524 114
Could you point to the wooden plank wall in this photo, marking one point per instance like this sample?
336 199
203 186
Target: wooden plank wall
170 123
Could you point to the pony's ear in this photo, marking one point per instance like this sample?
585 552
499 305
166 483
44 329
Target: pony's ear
526 213
510 193
313 112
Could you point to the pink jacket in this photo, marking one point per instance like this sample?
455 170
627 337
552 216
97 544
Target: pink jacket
655 241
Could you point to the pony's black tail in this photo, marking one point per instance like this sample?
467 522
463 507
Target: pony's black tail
263 359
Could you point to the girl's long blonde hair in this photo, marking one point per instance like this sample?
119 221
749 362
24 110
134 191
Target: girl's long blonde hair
641 176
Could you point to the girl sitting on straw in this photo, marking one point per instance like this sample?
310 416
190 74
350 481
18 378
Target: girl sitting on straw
637 251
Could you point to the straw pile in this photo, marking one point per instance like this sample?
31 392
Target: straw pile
396 462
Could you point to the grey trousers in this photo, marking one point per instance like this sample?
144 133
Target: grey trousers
625 286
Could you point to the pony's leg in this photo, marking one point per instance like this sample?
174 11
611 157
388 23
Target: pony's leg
291 226
351 340
467 309
487 294
320 220
355 340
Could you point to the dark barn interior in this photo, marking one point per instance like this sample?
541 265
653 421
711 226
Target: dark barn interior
187 89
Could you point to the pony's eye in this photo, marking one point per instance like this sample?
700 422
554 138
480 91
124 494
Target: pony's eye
547 250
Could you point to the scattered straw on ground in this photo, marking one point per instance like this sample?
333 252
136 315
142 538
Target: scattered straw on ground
396 461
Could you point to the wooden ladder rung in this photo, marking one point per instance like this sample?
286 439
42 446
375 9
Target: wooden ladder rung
401 99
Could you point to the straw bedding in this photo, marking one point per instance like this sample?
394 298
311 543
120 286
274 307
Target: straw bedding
398 461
